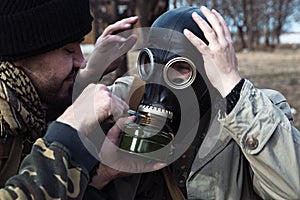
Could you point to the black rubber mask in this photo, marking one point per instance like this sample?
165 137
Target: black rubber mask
171 67
176 95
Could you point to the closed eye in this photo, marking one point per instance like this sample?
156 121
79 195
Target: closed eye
70 51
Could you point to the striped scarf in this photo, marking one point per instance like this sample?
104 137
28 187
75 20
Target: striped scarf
20 107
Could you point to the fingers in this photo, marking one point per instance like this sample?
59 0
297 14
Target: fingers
109 41
106 51
223 24
197 42
108 106
219 57
125 120
216 33
206 29
121 25
204 26
110 32
123 161
119 107
216 30
114 133
119 45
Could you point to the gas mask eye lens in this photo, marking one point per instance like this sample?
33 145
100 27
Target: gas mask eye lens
145 64
179 73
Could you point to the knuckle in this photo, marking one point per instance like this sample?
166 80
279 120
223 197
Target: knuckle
211 31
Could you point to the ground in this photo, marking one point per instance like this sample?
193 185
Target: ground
277 69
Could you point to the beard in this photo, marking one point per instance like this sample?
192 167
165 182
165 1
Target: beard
56 99
56 105
53 89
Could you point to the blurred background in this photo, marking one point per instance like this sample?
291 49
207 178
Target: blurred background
266 34
253 22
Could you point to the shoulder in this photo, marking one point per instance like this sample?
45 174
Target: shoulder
275 96
280 101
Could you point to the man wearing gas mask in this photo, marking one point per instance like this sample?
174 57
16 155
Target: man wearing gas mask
225 138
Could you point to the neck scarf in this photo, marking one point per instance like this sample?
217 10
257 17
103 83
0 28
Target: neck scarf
20 107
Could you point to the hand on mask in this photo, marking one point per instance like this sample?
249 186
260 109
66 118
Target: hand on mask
219 57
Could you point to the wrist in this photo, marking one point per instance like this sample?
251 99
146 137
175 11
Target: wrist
233 97
102 178
228 84
227 103
68 137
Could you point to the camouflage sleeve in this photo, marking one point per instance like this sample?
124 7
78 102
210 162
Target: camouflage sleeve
53 170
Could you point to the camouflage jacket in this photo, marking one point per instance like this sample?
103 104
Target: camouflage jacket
48 172
57 168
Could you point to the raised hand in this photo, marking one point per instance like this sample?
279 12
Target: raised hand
109 47
219 56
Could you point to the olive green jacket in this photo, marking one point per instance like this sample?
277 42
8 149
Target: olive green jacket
255 153
251 153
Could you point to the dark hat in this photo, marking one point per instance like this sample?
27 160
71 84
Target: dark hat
31 27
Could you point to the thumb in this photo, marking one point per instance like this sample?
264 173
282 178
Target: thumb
114 133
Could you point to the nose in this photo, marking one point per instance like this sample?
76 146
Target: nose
78 57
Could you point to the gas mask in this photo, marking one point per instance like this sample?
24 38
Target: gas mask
176 95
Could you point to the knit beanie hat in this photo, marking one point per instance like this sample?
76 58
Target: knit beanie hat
31 27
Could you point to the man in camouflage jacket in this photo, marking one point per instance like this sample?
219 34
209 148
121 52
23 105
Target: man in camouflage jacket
40 58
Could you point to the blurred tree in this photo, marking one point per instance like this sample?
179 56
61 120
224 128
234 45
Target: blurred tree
109 11
148 11
252 20
283 9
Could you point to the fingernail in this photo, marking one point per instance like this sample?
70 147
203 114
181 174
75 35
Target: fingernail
204 7
213 10
187 32
194 14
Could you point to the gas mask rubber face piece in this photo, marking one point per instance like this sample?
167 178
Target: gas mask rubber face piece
176 94
167 76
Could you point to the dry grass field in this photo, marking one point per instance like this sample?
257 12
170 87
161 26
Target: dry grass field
278 69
